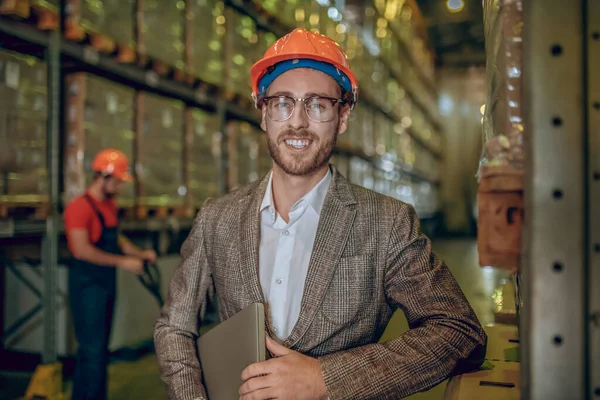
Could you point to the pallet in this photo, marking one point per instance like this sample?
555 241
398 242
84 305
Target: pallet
99 42
43 18
238 99
25 210
15 8
158 212
126 213
186 212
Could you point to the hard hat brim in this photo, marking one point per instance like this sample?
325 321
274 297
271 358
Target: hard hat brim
125 177
259 69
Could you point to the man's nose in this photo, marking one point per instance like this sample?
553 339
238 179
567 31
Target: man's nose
299 118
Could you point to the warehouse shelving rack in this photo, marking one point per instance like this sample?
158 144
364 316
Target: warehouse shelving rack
62 56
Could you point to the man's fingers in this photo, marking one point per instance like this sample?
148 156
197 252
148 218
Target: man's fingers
276 349
256 369
256 384
261 394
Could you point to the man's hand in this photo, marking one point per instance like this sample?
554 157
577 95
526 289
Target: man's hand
149 255
290 375
132 264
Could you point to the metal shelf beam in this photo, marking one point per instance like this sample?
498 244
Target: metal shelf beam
88 59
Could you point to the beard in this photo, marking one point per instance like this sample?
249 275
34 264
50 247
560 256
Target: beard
302 164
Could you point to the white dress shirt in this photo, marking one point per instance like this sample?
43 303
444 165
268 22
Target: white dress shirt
285 250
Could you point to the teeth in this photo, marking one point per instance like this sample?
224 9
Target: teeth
299 144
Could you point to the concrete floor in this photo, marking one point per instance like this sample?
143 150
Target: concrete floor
139 379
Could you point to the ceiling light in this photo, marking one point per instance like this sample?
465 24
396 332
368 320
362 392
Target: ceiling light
455 6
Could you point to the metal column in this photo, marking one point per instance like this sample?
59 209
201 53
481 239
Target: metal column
50 240
554 320
593 181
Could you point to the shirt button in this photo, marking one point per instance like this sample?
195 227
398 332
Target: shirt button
279 280
286 233
275 329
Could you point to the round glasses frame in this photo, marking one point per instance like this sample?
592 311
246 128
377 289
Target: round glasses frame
305 101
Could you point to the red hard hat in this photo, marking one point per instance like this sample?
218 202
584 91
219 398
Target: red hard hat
112 162
303 44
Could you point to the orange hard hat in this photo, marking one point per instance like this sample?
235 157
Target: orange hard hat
302 45
112 162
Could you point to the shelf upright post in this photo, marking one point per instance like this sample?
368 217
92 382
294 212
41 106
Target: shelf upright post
50 239
554 317
592 177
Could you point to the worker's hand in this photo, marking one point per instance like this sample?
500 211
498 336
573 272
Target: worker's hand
132 264
149 255
290 375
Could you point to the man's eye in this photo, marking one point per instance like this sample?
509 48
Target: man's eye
282 105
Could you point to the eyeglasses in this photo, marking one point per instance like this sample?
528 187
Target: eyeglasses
318 108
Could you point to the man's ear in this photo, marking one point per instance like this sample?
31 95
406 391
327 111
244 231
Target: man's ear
263 121
344 118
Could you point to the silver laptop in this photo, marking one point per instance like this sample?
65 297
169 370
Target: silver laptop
227 349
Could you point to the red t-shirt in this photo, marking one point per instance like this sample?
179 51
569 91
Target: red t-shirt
79 214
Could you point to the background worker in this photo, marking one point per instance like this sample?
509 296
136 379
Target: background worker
97 248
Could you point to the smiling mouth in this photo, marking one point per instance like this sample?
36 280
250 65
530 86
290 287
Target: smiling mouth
298 144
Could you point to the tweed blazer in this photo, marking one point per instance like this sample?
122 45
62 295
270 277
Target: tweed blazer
368 260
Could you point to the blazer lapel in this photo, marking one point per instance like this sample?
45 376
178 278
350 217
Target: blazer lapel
337 216
249 239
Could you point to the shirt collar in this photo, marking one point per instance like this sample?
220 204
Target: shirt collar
315 198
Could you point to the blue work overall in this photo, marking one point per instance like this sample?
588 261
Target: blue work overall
92 290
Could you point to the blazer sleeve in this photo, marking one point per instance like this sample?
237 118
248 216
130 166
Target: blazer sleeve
176 330
445 337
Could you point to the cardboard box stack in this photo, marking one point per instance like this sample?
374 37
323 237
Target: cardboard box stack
112 18
206 40
240 52
159 165
100 115
243 149
161 33
23 117
204 156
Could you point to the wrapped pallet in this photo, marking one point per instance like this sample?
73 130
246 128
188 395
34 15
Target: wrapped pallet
113 19
99 115
500 193
243 149
23 116
206 39
203 155
240 52
159 165
161 31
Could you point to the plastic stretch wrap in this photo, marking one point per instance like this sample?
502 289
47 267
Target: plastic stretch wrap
23 115
205 152
243 149
160 145
501 183
502 119
241 51
100 115
47 4
161 31
206 22
113 18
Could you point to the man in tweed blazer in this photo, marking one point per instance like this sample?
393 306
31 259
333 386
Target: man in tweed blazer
330 260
